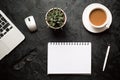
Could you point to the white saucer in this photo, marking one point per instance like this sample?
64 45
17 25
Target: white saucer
85 18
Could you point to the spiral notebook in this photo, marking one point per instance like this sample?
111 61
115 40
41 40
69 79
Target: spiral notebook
69 58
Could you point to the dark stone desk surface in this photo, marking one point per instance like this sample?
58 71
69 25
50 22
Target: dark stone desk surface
36 69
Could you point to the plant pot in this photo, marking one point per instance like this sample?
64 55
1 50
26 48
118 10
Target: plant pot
55 18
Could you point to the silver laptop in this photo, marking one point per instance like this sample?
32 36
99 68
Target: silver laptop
10 36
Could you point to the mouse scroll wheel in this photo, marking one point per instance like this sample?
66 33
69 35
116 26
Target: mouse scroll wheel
28 19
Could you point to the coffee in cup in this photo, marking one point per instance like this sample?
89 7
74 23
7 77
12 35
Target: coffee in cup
98 18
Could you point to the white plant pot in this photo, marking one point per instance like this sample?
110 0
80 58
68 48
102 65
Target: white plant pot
65 19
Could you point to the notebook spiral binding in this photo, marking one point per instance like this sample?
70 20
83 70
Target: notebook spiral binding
69 43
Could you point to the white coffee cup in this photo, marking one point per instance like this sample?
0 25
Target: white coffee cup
104 9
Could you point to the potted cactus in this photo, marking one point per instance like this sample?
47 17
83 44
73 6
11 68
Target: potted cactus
55 18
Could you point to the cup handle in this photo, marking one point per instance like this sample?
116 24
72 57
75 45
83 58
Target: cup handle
107 26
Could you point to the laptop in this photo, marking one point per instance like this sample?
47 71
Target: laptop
10 36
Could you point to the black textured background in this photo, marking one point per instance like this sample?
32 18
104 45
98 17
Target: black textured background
29 60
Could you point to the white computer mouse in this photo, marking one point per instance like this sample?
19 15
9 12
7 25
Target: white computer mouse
31 24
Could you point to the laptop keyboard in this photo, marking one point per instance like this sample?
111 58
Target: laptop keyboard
4 26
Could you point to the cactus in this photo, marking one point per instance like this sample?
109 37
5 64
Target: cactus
55 18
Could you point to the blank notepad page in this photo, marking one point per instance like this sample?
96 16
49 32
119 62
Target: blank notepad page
69 58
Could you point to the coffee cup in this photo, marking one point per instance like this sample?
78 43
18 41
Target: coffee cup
98 17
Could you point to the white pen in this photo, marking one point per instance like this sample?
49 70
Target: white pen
105 61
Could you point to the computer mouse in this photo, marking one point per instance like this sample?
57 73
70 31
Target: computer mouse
31 24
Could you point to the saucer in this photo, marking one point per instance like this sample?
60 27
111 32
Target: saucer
85 18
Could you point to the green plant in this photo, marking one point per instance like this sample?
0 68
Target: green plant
55 18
